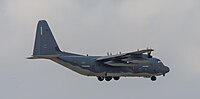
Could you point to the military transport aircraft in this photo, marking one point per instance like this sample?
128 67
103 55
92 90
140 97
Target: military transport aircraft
139 63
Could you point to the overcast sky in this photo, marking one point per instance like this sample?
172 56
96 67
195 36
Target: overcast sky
94 27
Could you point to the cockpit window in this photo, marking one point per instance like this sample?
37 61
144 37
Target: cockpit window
157 59
159 62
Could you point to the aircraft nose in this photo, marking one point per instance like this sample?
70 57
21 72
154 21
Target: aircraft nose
167 69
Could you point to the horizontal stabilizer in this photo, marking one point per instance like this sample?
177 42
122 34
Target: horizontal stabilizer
43 56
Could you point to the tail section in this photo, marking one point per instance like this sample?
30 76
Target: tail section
45 43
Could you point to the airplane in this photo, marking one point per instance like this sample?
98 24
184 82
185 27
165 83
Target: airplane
139 63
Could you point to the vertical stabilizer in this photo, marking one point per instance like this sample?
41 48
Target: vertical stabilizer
45 43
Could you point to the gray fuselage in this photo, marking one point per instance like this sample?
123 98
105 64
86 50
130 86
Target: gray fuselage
87 65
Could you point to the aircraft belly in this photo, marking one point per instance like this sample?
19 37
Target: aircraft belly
77 69
129 74
139 74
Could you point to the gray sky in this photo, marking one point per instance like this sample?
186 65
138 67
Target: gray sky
95 27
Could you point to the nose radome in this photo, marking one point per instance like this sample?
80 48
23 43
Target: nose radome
167 69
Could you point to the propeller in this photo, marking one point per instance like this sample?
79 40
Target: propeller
149 53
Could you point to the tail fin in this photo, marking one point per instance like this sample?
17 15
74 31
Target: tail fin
45 43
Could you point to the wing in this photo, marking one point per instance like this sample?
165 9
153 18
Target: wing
141 52
119 57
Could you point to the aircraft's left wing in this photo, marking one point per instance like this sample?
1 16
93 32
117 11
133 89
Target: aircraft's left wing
123 56
43 56
141 52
